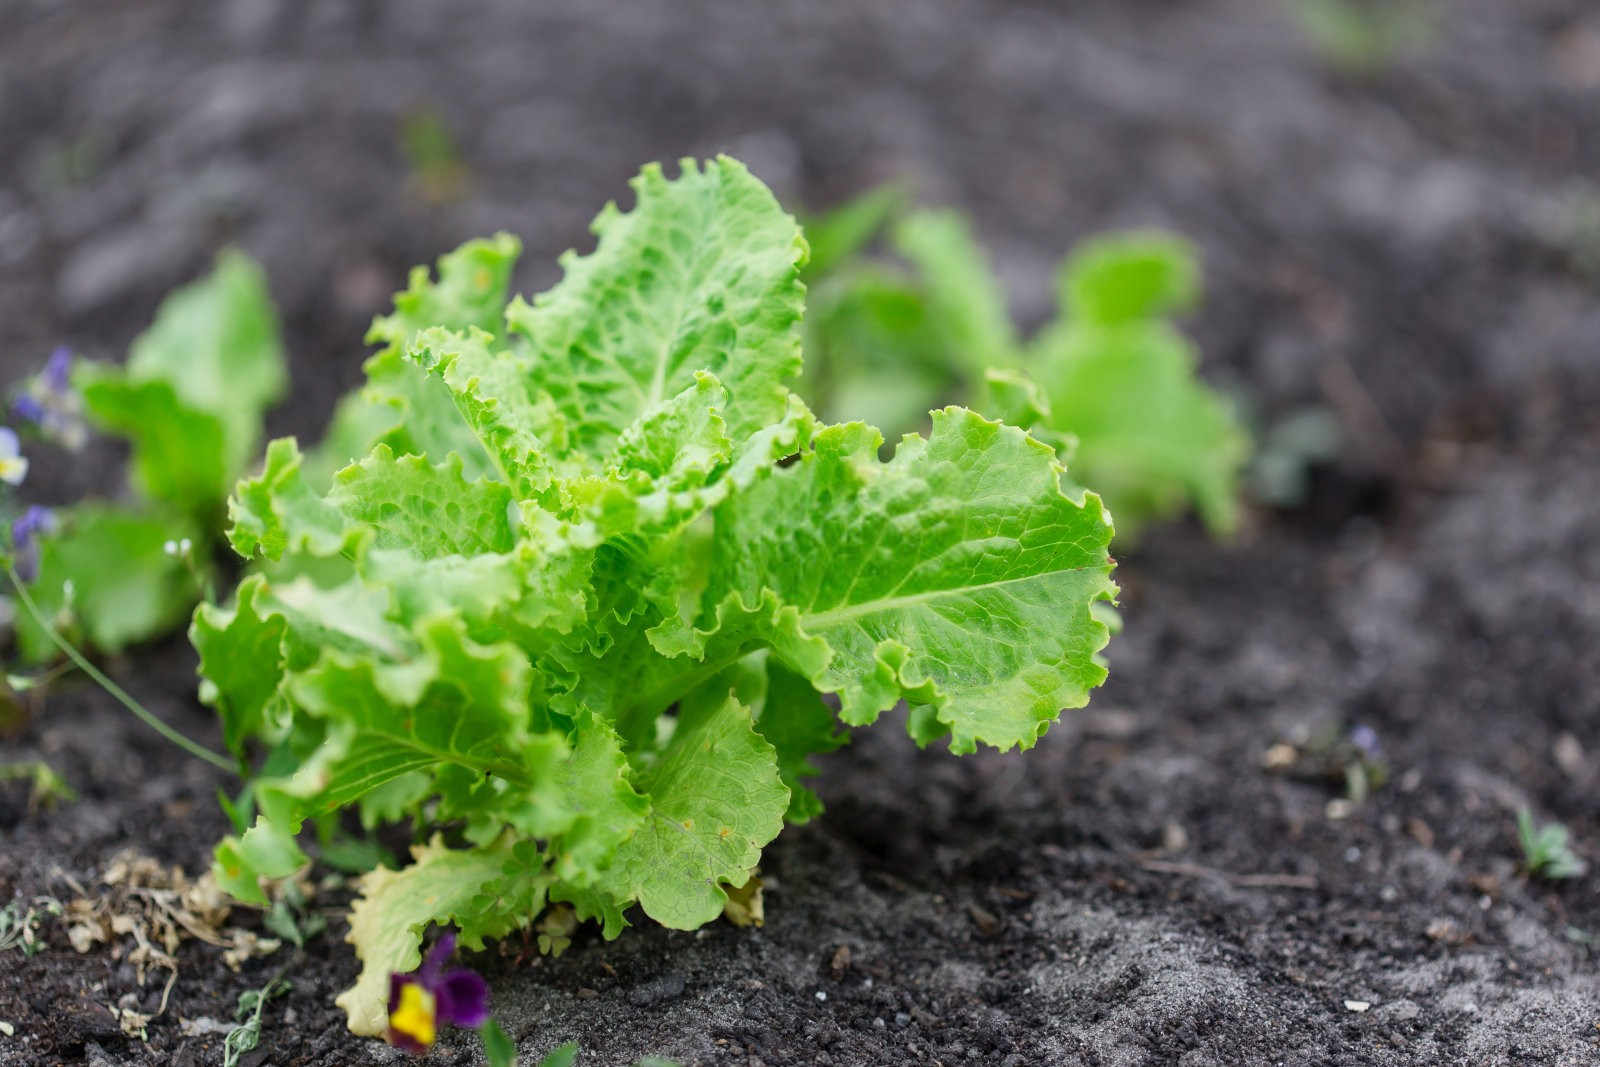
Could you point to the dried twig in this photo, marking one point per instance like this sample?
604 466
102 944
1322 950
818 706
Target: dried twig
1244 881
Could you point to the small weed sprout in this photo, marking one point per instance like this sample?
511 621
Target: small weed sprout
247 1035
19 925
498 1048
1545 852
46 788
561 1056
1363 37
1366 769
291 917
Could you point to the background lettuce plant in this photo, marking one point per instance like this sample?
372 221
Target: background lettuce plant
577 608
189 401
1110 382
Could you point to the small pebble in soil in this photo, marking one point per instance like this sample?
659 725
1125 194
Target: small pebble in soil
664 988
1402 1010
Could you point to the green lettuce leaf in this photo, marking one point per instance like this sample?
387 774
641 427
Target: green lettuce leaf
1150 436
262 853
959 575
1129 277
872 350
190 399
1110 384
106 578
195 387
702 275
407 502
837 237
1119 381
470 293
795 721
966 305
395 909
716 799
489 388
242 660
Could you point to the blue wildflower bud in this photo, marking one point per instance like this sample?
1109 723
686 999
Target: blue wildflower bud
28 409
25 533
1365 740
58 371
50 405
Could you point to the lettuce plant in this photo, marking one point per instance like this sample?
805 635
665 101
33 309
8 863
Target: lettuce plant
189 401
575 613
1110 382
1116 386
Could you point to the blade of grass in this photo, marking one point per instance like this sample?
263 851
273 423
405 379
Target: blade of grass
140 712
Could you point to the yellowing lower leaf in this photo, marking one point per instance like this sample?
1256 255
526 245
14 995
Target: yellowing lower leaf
394 911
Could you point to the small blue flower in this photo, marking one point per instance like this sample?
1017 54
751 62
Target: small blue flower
50 405
1365 740
13 464
28 409
25 534
58 370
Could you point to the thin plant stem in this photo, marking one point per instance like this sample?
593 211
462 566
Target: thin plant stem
144 715
202 580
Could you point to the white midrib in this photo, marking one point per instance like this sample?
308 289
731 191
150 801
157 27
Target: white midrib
818 622
658 380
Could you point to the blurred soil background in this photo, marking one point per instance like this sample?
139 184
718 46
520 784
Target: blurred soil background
1410 247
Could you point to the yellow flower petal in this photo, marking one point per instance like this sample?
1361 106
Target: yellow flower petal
414 1015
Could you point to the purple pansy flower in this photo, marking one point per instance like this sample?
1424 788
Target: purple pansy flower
25 540
431 997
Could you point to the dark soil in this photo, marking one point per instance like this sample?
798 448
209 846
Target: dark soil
1416 250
